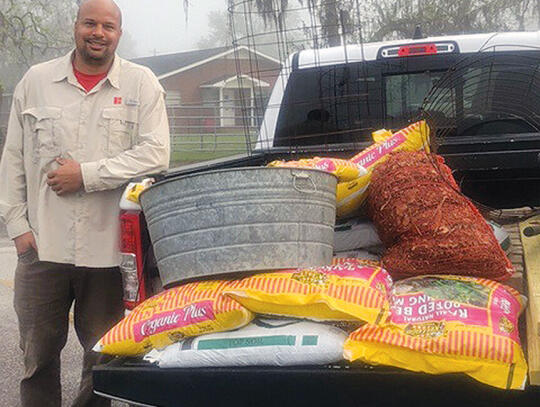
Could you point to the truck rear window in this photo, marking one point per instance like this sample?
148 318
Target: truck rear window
404 96
345 103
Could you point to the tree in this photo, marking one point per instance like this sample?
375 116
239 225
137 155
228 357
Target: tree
336 20
33 31
30 28
398 18
237 28
220 31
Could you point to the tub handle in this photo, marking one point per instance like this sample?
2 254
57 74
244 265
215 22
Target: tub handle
532 230
303 176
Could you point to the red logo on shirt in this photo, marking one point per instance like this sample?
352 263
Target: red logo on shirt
117 100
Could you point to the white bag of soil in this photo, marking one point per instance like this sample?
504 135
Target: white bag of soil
264 342
355 234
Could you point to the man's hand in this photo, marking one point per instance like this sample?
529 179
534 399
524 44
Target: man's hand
25 242
67 178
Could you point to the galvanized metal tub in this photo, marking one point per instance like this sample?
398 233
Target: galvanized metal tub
238 220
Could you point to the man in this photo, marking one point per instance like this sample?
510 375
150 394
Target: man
80 127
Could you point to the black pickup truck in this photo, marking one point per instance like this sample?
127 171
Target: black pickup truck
482 96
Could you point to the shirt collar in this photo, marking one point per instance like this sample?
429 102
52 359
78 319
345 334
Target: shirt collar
65 70
114 73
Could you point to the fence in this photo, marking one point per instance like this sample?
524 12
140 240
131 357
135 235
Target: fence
214 129
199 131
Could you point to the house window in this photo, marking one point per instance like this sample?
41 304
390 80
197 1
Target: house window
172 98
210 96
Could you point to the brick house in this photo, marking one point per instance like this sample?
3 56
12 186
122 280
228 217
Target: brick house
205 93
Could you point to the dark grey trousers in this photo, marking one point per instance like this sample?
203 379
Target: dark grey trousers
44 293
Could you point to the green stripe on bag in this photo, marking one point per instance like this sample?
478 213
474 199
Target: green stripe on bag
247 342
310 340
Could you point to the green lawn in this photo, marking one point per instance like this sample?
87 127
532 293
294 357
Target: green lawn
195 148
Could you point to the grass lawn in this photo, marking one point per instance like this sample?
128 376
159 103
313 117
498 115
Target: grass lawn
195 148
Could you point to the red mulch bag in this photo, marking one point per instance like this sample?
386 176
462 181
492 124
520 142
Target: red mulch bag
427 224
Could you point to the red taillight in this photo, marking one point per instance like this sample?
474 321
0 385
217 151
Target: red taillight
420 49
131 264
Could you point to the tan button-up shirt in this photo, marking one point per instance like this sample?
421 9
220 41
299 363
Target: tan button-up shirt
117 131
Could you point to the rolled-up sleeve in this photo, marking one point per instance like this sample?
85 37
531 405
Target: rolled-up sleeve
13 204
150 153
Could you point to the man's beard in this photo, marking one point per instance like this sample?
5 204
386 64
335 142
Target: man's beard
95 60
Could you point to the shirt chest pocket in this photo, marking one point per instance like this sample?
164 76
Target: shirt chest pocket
42 124
121 127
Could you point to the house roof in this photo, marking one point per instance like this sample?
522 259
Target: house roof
171 64
162 64
223 80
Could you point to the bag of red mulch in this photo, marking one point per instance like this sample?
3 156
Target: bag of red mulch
427 224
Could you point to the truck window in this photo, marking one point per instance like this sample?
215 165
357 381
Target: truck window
345 103
404 96
330 105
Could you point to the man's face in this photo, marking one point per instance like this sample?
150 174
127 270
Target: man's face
97 32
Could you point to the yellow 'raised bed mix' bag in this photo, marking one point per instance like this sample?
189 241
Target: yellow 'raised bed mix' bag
448 324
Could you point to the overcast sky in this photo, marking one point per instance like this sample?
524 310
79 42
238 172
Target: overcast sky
158 26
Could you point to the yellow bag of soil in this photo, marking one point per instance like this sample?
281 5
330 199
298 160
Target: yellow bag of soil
351 194
348 290
344 170
189 310
448 324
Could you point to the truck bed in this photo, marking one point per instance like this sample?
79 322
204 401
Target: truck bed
335 385
141 383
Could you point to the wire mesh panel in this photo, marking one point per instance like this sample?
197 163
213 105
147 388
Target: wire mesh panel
333 89
486 94
212 129
336 100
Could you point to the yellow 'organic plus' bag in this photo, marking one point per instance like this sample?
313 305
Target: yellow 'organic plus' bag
189 310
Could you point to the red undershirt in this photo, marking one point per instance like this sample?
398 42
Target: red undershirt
88 81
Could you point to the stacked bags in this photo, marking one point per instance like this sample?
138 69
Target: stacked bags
444 323
349 290
428 323
433 324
